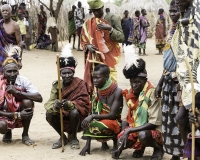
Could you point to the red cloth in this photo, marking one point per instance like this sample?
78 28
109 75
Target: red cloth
100 39
156 135
12 102
77 93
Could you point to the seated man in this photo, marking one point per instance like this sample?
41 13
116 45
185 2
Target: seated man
43 41
103 122
16 101
141 114
75 103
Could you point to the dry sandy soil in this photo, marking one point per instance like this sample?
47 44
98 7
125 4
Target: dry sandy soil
40 67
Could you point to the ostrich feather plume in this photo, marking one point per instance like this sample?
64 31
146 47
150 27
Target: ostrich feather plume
11 50
67 51
130 56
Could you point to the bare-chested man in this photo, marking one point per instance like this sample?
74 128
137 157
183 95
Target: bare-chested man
9 33
103 122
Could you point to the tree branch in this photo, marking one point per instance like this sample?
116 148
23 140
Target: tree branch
45 5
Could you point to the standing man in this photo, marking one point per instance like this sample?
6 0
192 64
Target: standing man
17 101
53 30
160 32
144 24
79 16
9 33
72 26
126 24
134 34
42 20
103 35
185 43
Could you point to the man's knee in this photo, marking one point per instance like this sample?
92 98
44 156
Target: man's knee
74 113
182 117
26 103
49 117
3 127
144 136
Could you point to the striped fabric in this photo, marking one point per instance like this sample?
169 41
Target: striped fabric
5 39
185 43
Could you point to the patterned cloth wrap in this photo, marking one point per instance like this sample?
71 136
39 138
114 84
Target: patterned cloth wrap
13 104
105 129
139 106
5 40
188 147
185 43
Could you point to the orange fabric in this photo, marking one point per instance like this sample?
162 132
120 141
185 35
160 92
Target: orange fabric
156 135
129 95
100 39
112 125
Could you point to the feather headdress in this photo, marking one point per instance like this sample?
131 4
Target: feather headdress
67 59
12 50
130 56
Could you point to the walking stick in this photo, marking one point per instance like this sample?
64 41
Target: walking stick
193 107
60 99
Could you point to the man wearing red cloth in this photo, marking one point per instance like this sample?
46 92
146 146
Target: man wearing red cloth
75 102
103 123
103 35
16 102
9 33
141 114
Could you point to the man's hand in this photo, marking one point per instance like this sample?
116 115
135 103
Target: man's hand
158 91
103 26
86 122
27 113
92 48
195 118
19 64
12 90
57 106
123 140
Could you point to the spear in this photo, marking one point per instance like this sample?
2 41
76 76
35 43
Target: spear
60 99
193 107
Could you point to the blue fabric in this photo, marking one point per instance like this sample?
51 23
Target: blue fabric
169 59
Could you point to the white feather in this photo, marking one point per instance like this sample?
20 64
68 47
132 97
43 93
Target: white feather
11 50
198 74
130 56
67 51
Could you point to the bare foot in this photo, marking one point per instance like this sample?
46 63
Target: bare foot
116 154
138 153
58 144
175 158
157 154
104 146
27 141
85 150
7 138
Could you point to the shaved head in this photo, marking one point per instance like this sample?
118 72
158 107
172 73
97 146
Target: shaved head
6 6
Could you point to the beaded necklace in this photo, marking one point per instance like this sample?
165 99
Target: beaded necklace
108 88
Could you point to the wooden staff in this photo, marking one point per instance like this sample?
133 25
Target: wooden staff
60 99
193 107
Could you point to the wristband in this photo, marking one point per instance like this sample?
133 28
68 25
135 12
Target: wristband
15 115
111 30
19 115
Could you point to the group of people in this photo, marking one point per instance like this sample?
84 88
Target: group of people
136 117
135 30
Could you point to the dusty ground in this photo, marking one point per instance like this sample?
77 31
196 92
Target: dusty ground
39 66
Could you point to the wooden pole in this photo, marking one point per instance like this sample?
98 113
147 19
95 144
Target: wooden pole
193 108
60 99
